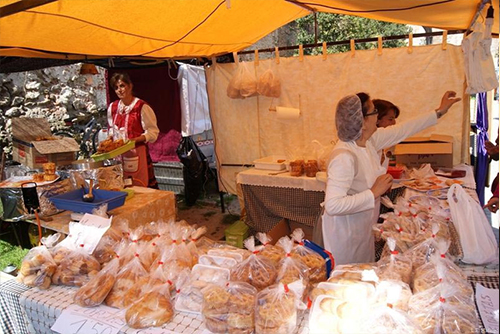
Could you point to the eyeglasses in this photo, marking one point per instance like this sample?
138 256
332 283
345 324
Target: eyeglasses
374 112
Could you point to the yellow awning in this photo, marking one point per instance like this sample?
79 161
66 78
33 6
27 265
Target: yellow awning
75 29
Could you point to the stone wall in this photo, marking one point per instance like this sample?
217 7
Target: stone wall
56 94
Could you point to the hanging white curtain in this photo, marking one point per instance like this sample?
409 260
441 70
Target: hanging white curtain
194 100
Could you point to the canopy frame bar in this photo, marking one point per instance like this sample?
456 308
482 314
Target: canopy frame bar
21 6
362 40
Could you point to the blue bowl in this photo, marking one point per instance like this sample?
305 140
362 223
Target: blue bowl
73 200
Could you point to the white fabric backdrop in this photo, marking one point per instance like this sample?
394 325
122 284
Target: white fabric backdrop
246 130
194 100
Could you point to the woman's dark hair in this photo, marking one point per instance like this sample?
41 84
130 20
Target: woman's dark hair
117 77
384 106
364 99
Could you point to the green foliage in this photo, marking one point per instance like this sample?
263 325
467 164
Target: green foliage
10 254
336 27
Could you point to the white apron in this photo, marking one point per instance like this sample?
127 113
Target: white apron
347 229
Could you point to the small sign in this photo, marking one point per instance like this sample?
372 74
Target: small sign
88 232
160 330
97 320
487 303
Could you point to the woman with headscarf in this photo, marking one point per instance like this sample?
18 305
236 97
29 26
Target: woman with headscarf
356 179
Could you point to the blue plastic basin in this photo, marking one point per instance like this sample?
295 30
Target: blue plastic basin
73 200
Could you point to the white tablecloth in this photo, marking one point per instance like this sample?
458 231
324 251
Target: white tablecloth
259 177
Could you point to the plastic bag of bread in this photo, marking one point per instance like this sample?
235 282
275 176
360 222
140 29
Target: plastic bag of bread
229 251
180 253
153 309
274 253
269 84
125 283
243 84
77 268
37 268
277 308
330 315
256 269
396 266
229 308
386 319
204 244
291 269
441 310
190 246
421 253
394 293
190 295
360 272
95 291
439 269
104 251
314 261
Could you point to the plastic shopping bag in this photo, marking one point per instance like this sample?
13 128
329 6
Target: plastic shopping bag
477 239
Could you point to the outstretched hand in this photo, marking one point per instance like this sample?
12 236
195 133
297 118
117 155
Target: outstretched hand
449 98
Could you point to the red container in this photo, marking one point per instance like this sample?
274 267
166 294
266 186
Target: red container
395 172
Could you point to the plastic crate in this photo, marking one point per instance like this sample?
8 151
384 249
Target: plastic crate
168 169
171 187
175 181
73 200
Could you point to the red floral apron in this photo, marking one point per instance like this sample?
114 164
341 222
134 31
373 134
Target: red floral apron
136 163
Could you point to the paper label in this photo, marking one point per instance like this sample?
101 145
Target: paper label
487 303
160 330
88 232
95 320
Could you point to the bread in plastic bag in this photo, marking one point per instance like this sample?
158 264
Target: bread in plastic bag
396 266
397 294
291 269
243 84
359 272
37 268
153 309
274 253
269 84
441 310
440 268
77 268
385 319
314 261
229 308
256 269
127 277
278 307
420 254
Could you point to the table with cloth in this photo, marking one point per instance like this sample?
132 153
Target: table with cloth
30 310
145 206
270 198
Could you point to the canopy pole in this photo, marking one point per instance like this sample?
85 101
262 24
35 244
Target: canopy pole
21 6
479 9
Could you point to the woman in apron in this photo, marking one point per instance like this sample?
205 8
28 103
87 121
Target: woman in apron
135 118
356 178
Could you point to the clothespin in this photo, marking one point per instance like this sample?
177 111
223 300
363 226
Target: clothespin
236 58
276 55
353 48
324 51
410 43
256 61
379 45
301 53
444 45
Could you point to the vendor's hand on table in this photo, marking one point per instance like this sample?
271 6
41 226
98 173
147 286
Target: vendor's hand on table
449 98
382 184
492 205
491 148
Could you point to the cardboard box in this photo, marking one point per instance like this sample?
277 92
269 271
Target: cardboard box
436 150
236 234
279 230
32 153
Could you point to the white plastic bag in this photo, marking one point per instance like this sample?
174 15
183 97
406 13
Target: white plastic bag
476 237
